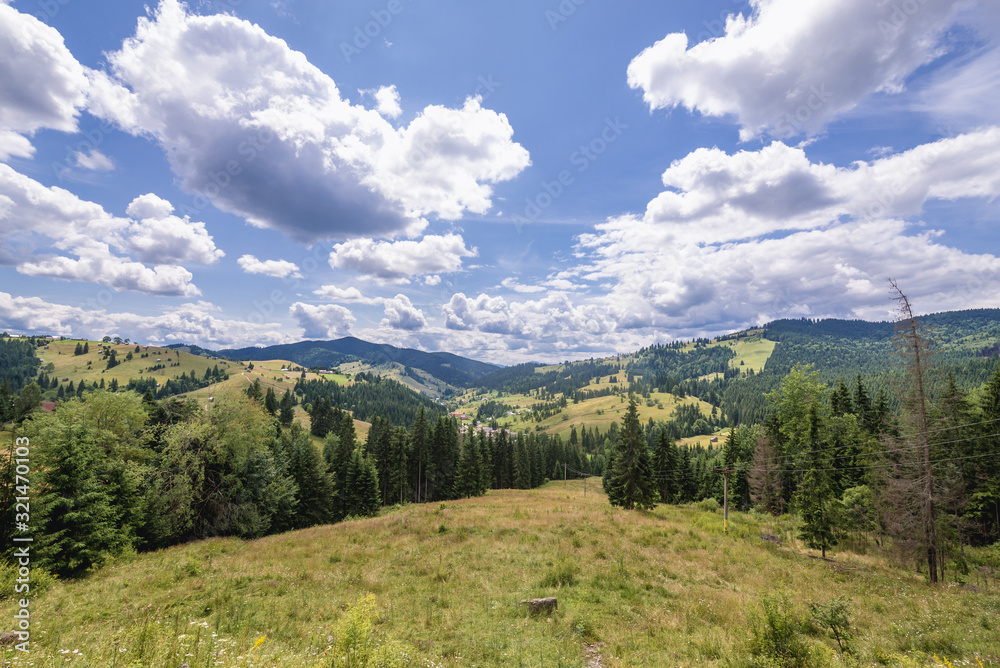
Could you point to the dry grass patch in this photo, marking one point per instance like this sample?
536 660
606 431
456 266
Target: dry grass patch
442 585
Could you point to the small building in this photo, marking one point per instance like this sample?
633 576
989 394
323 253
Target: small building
48 406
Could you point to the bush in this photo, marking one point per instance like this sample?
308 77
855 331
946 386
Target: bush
774 635
357 645
38 581
710 505
833 615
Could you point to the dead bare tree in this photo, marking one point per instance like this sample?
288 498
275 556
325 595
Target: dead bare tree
913 347
765 478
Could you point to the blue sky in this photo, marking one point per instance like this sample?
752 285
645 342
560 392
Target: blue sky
508 181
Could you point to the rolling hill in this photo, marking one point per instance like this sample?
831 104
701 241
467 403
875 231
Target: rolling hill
446 367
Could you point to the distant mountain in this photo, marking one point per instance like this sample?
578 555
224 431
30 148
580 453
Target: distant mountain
452 369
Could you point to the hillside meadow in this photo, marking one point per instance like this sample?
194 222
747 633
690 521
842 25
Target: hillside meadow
440 585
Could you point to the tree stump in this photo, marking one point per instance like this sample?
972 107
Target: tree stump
537 606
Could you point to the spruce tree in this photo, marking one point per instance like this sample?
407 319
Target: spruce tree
631 480
308 469
346 432
286 412
270 401
363 495
665 468
77 526
815 497
322 416
419 450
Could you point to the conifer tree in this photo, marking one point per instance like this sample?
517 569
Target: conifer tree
397 466
419 450
815 497
362 486
286 412
308 469
665 468
346 432
687 476
322 417
270 401
631 484
77 526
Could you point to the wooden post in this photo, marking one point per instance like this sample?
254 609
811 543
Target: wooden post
725 496
725 500
564 473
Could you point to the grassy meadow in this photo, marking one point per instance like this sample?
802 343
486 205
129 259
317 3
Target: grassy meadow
440 585
91 367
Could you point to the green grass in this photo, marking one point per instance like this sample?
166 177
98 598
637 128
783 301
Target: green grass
76 368
752 351
441 584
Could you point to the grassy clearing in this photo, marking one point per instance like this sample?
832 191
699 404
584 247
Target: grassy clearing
752 352
600 412
662 588
91 367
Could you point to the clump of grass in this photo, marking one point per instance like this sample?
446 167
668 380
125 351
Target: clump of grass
584 627
562 574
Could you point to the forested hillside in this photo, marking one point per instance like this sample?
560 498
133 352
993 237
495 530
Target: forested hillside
452 369
18 361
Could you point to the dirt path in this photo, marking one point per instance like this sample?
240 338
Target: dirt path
592 652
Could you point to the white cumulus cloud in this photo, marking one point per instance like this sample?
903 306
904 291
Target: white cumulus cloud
791 66
401 314
399 261
327 321
251 125
54 224
274 268
196 322
741 239
43 84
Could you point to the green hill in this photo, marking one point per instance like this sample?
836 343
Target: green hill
449 368
440 585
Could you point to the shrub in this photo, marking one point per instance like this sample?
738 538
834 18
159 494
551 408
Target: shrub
357 645
710 505
774 635
833 615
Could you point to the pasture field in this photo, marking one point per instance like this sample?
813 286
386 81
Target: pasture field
441 585
91 367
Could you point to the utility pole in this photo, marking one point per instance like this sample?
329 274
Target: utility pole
725 496
564 473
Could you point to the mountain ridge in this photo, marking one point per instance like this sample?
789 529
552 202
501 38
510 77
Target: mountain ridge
445 366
